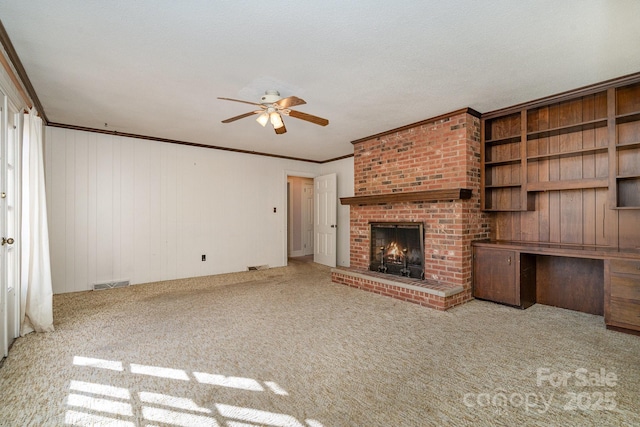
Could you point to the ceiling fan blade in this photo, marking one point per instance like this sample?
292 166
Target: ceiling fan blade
241 116
290 101
308 117
281 130
239 100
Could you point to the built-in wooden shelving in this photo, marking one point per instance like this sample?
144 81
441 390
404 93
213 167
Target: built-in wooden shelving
587 141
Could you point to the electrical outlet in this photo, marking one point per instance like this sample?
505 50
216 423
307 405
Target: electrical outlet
204 257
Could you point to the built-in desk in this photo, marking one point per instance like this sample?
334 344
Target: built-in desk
592 279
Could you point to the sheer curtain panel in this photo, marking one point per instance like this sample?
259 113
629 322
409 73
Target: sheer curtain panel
36 299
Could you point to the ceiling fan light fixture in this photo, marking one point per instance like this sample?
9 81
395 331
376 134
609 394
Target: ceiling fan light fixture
272 107
276 120
263 119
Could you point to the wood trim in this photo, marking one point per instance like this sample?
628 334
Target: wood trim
483 164
22 74
15 81
564 96
612 196
346 156
561 249
413 196
190 144
524 205
420 123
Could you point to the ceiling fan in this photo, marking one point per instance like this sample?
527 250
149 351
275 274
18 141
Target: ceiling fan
272 108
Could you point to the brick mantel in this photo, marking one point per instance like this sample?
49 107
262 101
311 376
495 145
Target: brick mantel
428 172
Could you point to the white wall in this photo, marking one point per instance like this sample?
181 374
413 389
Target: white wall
123 208
344 175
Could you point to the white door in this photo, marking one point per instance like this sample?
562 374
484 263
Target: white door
324 220
9 278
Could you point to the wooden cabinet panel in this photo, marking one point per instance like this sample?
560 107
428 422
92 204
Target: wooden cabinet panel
504 276
571 283
494 275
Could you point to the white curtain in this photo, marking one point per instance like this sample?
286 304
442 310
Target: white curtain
36 299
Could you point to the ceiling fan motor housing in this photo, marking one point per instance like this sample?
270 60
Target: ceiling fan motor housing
270 96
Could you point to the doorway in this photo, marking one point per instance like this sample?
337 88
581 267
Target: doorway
300 216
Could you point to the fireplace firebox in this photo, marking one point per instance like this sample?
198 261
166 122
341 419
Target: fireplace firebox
397 248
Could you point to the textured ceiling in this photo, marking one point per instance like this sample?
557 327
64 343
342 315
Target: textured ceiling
156 67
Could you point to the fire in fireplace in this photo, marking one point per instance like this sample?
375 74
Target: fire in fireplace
397 248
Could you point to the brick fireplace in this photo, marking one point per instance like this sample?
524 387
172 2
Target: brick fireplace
426 173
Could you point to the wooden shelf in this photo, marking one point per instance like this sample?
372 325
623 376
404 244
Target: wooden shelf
628 145
413 196
628 117
503 186
570 184
503 210
567 154
506 140
503 162
567 129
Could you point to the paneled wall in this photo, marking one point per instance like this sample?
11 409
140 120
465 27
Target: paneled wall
144 211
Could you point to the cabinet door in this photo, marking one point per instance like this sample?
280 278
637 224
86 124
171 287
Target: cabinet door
623 295
494 275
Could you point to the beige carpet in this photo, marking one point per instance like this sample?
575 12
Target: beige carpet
286 347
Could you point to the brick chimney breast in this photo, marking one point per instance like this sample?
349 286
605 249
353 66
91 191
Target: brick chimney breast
431 155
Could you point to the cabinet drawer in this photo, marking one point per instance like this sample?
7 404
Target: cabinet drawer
625 266
625 312
625 287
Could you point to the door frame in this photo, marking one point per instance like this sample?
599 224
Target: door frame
301 198
10 291
285 217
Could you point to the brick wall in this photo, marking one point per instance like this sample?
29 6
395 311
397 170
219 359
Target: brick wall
444 153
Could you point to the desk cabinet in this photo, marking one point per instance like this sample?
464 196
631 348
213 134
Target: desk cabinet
503 276
622 305
520 275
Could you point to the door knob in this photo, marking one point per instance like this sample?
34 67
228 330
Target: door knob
8 241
